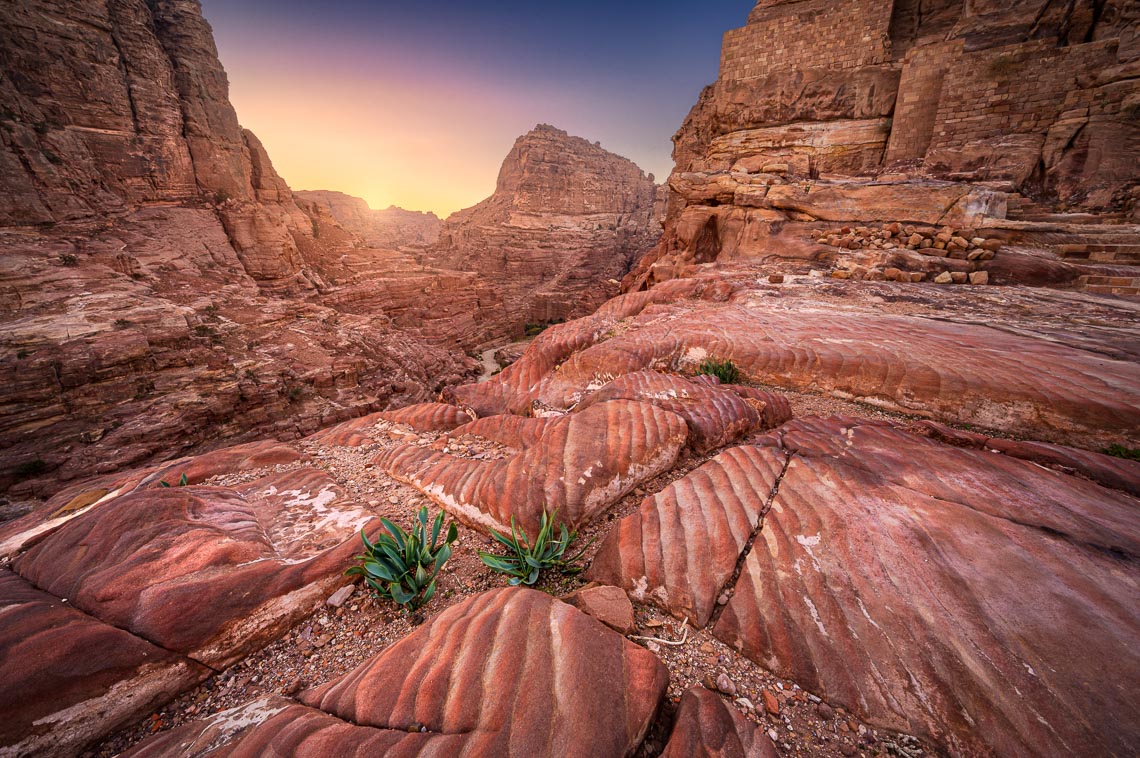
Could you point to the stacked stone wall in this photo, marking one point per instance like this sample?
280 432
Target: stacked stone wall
920 94
1018 89
808 34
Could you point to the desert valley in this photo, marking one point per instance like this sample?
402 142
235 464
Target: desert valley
838 425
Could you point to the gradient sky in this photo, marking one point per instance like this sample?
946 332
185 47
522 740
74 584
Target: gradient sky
416 103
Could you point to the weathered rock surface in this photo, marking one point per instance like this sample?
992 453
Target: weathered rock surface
609 605
951 371
946 599
715 416
565 219
580 466
509 672
951 113
706 728
429 417
69 678
162 288
209 572
681 547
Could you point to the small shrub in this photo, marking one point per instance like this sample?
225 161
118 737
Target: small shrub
122 323
182 481
1120 451
21 354
221 196
403 566
525 561
69 259
724 370
28 469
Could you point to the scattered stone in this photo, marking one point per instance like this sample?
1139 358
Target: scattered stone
771 703
944 278
338 598
775 278
725 685
607 604
980 277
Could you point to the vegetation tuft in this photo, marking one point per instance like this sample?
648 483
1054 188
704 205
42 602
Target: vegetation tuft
183 481
403 566
724 370
525 561
28 469
1120 451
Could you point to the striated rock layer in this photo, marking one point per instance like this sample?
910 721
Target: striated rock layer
509 672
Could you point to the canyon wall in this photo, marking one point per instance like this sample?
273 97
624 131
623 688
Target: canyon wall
566 218
945 113
391 228
162 288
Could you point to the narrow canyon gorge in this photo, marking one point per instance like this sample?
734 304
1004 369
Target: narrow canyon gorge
844 414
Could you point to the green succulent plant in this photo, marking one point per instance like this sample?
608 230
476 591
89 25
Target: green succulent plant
403 566
183 481
724 370
525 561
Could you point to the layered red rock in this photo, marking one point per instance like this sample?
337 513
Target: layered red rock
707 728
953 371
681 547
565 223
716 416
209 572
945 599
69 679
155 262
511 671
429 417
578 468
515 389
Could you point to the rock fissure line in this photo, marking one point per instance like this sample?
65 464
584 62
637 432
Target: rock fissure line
730 585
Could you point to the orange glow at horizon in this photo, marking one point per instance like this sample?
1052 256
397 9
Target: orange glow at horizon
350 137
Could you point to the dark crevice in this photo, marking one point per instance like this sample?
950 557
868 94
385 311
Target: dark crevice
729 586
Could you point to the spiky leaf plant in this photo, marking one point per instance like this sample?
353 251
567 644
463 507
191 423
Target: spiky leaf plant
403 566
524 561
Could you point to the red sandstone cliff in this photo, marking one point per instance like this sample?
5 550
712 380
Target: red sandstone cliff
162 287
566 218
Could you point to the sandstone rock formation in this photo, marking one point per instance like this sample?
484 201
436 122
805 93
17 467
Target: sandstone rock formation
919 360
391 228
163 289
945 599
565 218
580 465
707 728
967 115
509 672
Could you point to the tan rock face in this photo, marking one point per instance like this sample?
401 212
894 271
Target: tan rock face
566 218
509 672
1025 97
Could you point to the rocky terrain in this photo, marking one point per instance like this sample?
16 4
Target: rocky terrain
166 290
903 524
